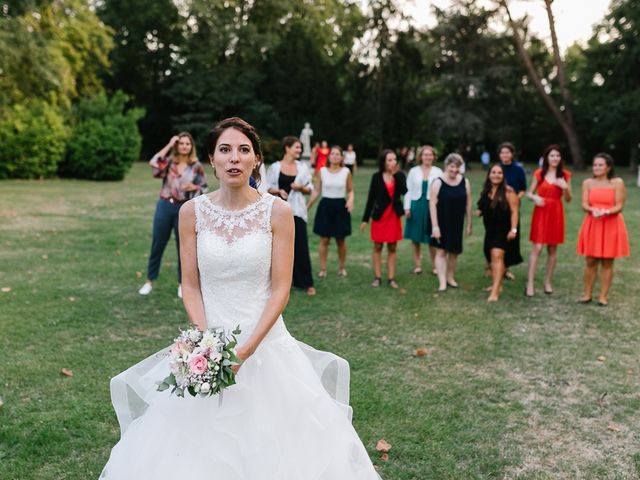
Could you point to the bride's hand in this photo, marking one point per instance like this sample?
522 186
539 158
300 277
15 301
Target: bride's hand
242 354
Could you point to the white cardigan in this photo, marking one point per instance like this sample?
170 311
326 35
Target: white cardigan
296 200
414 183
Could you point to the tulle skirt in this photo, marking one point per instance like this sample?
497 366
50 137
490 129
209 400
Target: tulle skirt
287 418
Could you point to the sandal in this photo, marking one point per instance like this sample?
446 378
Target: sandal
417 271
342 273
322 274
311 291
393 283
509 276
377 281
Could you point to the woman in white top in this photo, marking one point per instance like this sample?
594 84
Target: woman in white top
290 179
350 159
333 218
417 227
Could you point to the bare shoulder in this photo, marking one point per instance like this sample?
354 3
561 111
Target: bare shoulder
510 190
188 211
617 182
280 212
587 182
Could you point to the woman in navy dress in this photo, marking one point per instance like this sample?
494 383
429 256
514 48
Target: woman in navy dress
449 203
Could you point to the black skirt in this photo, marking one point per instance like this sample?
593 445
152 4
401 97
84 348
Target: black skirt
332 218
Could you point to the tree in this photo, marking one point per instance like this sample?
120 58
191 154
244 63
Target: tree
563 112
148 36
608 83
55 51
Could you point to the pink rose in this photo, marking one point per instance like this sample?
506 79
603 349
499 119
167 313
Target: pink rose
198 364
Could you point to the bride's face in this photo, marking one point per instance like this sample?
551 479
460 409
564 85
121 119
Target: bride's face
233 158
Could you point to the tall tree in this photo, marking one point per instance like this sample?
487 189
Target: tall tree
607 78
148 37
561 112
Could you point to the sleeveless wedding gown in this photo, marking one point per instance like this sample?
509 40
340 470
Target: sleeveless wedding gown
287 418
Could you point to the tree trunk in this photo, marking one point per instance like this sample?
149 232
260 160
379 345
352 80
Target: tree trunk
572 136
564 118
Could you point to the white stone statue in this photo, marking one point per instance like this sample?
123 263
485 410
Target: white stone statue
305 138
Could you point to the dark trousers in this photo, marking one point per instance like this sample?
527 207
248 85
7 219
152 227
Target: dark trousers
164 220
302 277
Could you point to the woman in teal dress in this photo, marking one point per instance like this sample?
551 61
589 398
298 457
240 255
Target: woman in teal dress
417 227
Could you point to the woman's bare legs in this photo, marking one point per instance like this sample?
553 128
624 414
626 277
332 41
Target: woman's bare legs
452 263
417 257
536 249
606 277
552 259
323 253
590 271
441 268
497 273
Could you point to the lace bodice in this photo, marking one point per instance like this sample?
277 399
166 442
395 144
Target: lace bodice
234 260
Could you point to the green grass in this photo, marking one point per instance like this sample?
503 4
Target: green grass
511 390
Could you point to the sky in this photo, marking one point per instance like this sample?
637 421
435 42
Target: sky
574 18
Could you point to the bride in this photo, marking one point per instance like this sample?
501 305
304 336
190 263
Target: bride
287 418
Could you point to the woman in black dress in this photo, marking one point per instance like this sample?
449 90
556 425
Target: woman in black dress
290 179
498 206
449 203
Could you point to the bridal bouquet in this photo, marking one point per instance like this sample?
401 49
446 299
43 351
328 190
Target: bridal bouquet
201 362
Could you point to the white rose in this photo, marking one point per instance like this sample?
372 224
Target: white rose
194 335
209 340
216 357
205 387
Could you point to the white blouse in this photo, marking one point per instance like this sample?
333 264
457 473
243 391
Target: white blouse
414 183
334 184
295 199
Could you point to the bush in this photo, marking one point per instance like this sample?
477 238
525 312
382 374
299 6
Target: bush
272 150
105 140
32 140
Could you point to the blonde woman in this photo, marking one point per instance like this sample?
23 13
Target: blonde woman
417 227
183 178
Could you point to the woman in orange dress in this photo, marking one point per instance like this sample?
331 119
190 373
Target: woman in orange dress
551 184
603 234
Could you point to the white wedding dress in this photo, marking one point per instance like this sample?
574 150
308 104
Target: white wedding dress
287 418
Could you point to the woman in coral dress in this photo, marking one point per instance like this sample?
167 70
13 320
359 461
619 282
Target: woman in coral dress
551 184
603 234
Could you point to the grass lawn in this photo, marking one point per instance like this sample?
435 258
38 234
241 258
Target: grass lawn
526 388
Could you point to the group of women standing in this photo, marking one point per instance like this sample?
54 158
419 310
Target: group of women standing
437 208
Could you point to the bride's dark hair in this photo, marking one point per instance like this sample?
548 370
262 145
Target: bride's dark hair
244 127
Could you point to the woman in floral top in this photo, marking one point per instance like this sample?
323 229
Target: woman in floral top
183 178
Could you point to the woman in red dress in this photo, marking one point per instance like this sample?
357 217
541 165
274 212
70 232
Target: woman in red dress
322 154
385 207
551 184
603 234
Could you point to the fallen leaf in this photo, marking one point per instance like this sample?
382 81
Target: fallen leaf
384 457
72 299
385 338
66 372
118 252
420 352
6 289
1 402
613 427
138 274
601 358
383 446
403 291
45 257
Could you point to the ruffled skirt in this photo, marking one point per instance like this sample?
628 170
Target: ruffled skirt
287 418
